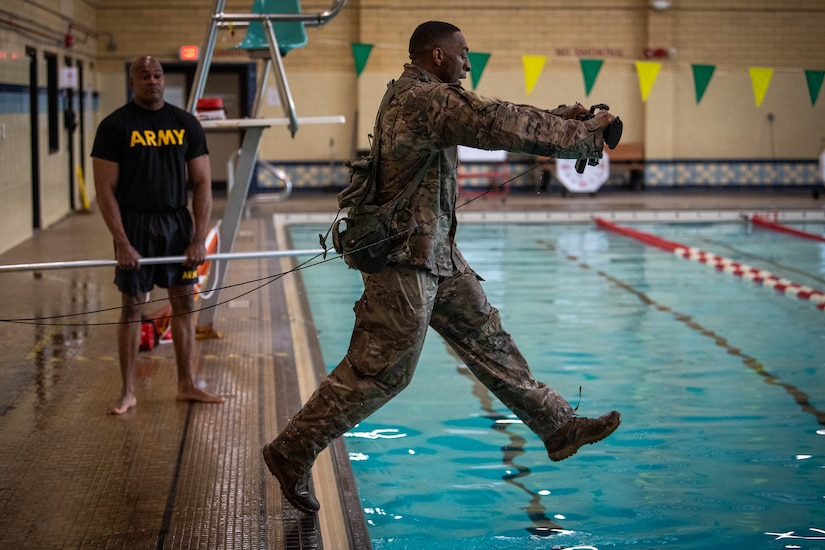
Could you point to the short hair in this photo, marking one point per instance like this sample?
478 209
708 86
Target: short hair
141 61
430 35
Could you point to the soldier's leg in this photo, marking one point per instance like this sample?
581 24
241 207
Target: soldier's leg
467 321
472 326
391 320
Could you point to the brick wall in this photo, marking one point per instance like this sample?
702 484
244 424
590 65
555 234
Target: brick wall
726 126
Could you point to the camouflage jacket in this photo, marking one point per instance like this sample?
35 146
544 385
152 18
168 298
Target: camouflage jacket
426 115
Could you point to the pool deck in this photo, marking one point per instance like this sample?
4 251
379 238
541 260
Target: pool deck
169 474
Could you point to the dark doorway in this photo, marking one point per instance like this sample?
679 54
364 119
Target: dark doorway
34 113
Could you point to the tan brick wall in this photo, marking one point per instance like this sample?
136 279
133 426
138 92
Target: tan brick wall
731 34
42 26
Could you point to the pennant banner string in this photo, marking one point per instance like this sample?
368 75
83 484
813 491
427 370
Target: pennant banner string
647 72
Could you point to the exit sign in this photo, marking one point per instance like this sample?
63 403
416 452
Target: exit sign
188 53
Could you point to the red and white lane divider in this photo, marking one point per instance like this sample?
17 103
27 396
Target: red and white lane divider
762 221
726 265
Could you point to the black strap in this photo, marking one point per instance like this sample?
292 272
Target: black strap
376 148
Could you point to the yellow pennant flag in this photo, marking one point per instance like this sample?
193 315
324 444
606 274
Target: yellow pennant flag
760 80
647 71
533 64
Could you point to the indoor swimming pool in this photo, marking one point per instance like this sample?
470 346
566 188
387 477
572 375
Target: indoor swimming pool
720 381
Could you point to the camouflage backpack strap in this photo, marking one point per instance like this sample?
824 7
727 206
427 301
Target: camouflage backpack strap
363 171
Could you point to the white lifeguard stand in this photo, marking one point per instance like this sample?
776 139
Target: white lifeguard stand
273 28
489 167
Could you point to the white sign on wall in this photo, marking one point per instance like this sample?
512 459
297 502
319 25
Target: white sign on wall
68 78
588 181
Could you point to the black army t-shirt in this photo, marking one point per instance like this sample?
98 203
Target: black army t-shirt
152 148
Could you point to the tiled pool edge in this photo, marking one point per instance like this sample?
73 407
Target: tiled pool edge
555 216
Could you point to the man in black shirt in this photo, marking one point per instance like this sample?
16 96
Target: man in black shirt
142 156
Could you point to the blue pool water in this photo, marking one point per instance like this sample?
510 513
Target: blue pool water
721 383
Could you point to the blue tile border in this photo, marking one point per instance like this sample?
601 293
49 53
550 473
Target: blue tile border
658 174
732 173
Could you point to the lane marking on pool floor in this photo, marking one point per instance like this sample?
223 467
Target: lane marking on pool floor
723 264
800 397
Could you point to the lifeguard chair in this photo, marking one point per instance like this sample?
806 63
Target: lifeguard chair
274 27
289 35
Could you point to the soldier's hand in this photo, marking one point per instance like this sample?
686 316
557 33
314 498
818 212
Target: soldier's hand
195 254
576 110
127 257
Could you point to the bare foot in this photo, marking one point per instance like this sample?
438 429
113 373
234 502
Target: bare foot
123 404
195 394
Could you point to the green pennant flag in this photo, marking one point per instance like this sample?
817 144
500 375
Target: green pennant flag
360 52
814 79
478 61
590 71
701 78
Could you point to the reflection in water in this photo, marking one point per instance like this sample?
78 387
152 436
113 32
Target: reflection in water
819 534
543 525
52 348
58 339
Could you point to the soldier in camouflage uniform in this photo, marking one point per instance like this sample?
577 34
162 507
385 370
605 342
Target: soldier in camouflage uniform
432 285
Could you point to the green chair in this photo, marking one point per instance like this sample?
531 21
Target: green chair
290 35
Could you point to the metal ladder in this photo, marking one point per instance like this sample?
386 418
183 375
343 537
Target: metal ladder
252 127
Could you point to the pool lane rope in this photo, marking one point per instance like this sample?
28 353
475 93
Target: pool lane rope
720 263
761 221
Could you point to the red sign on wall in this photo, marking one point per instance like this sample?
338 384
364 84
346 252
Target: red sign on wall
188 52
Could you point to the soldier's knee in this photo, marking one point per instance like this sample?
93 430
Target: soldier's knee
389 378
394 378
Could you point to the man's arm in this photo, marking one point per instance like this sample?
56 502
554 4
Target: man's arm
105 175
200 175
570 111
470 119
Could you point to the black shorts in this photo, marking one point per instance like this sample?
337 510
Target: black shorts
154 235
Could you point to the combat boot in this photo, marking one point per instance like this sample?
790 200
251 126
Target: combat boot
293 479
578 432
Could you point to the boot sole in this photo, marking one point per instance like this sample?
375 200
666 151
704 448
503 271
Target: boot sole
272 465
570 450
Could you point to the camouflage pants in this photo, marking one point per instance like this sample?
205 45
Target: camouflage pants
391 321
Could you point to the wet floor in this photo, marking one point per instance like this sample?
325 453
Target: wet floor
166 474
